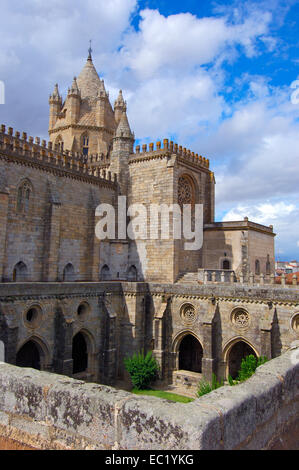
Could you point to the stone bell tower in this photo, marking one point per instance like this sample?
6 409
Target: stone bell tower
85 122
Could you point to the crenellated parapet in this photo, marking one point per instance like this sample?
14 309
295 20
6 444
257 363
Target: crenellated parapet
36 152
99 160
148 151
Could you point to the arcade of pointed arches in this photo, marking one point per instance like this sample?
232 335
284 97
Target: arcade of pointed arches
188 350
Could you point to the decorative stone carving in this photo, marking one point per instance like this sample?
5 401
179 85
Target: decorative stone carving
240 318
188 314
185 191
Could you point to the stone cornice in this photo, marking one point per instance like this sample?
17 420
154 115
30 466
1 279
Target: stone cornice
81 127
240 226
10 292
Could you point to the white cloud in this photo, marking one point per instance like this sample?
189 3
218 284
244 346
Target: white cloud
263 213
181 42
46 42
173 73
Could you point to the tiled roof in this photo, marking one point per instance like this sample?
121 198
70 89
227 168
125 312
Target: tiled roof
288 278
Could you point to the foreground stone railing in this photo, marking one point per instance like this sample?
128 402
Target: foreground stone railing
49 411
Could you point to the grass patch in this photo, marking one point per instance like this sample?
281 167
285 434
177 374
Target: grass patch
162 394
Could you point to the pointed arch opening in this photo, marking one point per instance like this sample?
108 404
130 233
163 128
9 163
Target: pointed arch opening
257 267
190 354
85 143
59 144
132 274
105 274
33 354
24 197
238 350
69 273
20 272
79 354
226 264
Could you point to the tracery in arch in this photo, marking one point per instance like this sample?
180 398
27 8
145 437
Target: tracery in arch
24 195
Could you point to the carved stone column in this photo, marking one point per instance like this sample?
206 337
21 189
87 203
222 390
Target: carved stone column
208 362
9 331
266 330
159 351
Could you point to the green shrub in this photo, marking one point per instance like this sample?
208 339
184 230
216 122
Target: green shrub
205 387
142 368
231 381
248 366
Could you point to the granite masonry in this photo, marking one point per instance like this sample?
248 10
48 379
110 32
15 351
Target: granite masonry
76 305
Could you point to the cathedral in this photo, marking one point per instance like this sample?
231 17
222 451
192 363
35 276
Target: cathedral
76 304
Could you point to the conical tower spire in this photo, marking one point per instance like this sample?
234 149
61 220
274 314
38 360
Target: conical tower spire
120 102
55 95
88 81
55 102
120 107
123 128
74 90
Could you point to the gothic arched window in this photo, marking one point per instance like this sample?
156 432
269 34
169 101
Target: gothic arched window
59 144
225 264
105 274
69 273
20 272
23 197
185 191
257 267
85 144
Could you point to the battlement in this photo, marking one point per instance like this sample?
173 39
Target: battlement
171 147
28 149
99 160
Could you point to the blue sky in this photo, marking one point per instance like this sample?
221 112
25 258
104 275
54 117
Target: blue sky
214 76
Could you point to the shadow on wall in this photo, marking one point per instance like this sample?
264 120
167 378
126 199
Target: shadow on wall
218 368
276 345
218 254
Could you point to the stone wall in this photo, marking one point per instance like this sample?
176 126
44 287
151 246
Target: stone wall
55 227
125 317
49 411
155 178
241 244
